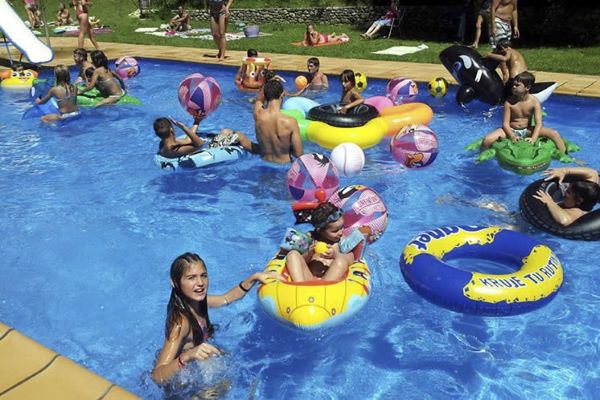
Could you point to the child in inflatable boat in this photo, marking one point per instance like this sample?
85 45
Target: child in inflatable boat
329 254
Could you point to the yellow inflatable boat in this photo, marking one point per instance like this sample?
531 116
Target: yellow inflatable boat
315 304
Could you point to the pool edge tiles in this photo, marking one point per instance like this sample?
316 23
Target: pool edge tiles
30 370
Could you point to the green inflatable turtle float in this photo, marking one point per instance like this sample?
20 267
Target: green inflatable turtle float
93 97
523 157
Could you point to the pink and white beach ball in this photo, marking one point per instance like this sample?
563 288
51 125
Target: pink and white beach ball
309 173
127 67
362 206
415 146
401 90
199 95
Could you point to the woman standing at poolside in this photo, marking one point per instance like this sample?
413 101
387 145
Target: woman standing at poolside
82 10
219 15
188 327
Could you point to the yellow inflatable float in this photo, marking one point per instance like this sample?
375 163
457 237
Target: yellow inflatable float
251 76
315 304
388 122
18 80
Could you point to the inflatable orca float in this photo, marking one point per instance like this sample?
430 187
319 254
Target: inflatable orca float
478 78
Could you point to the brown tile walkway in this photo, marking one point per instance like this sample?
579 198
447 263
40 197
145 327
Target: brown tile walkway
580 85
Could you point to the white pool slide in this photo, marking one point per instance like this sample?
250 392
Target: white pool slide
36 51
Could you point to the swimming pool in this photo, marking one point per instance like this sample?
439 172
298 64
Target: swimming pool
90 226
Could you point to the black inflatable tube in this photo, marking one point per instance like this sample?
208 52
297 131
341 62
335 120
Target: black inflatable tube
356 116
536 213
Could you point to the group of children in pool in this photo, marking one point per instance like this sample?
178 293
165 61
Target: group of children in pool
188 325
96 74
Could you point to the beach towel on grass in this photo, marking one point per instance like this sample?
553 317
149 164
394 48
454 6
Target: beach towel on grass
402 50
196 34
97 31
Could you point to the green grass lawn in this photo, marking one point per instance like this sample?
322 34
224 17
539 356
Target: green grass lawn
114 13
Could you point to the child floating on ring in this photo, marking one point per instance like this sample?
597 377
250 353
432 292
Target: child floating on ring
350 95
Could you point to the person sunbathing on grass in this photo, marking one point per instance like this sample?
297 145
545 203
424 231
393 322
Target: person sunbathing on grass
314 38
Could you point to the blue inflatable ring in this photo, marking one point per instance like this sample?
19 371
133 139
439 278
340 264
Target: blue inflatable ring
536 281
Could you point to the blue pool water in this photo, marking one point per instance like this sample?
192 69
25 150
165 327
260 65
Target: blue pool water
90 226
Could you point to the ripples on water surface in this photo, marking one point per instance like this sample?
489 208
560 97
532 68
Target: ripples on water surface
90 227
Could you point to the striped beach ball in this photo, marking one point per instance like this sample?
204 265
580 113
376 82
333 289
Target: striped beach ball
199 95
309 173
127 67
415 146
362 206
401 90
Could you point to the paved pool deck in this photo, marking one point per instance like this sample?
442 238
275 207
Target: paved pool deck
570 84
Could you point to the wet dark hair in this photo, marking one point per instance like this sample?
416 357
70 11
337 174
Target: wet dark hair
81 53
348 75
179 307
588 192
273 89
268 74
314 60
252 53
162 127
321 216
526 78
503 43
99 59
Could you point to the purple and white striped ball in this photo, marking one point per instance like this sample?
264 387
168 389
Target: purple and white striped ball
199 94
401 90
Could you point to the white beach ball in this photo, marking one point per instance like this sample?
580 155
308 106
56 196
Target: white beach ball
349 158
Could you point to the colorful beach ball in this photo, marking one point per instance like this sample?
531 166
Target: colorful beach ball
401 90
360 80
309 173
415 146
349 158
127 67
362 206
437 87
199 95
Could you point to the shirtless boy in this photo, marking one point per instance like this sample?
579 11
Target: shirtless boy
518 110
504 20
512 62
277 134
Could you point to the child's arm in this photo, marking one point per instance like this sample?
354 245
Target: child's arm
191 132
561 215
92 83
356 100
537 112
506 123
44 99
588 174
239 291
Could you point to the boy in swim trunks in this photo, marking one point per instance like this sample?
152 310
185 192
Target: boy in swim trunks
519 109
504 21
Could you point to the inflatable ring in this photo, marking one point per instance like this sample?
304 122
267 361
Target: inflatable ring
356 116
587 227
534 284
253 76
314 304
202 158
